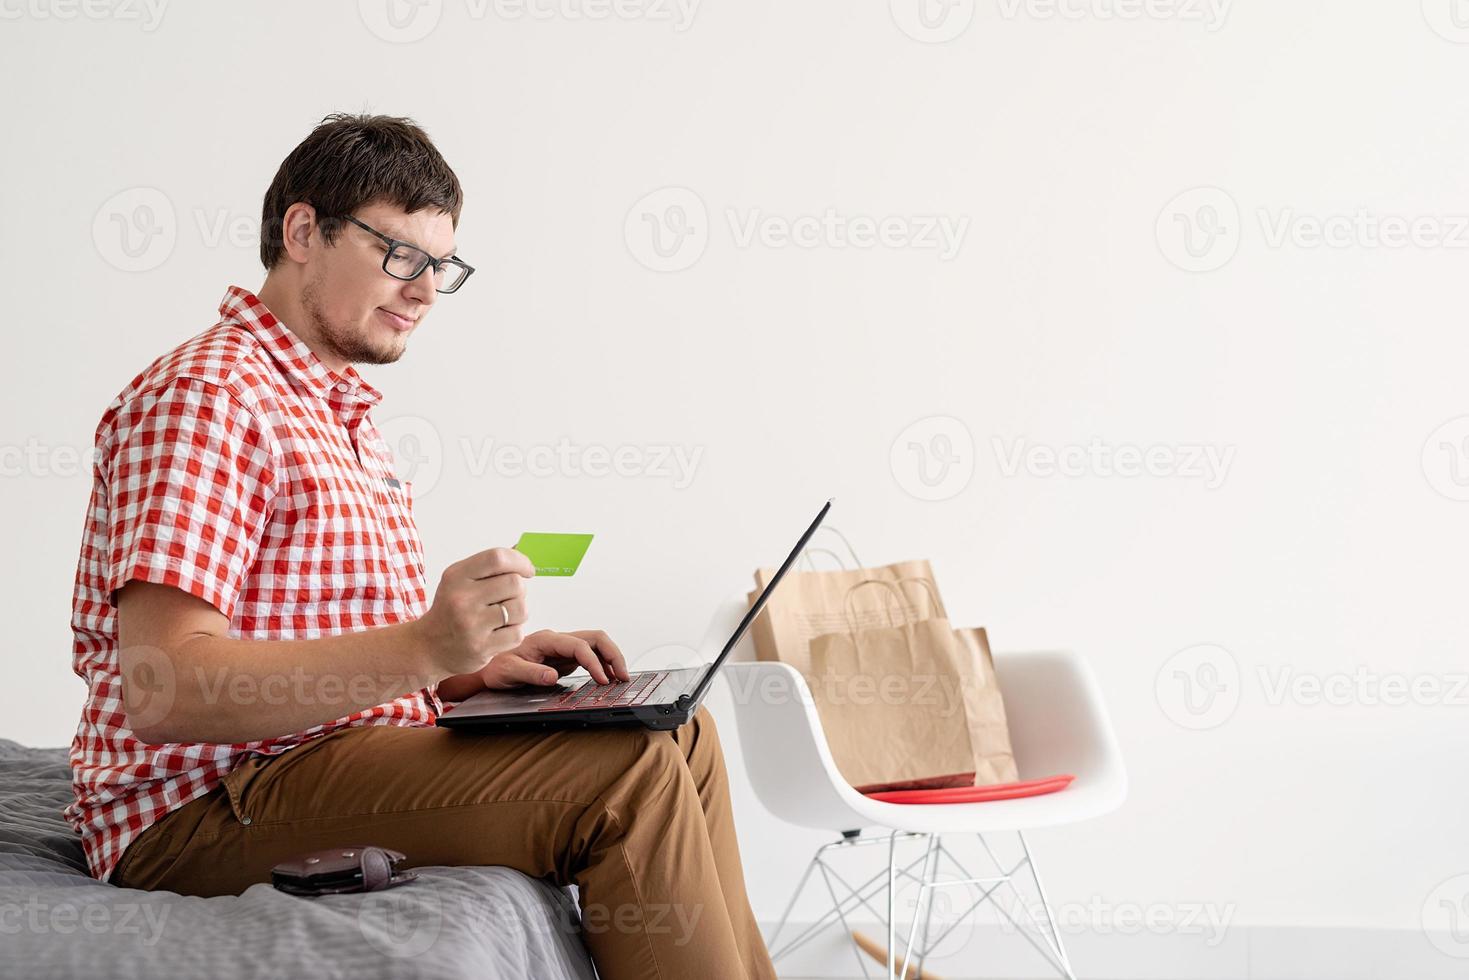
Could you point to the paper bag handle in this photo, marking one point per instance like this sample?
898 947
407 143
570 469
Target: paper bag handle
847 601
807 552
892 586
856 562
852 626
933 591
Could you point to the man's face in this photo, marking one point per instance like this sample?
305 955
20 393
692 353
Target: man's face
360 313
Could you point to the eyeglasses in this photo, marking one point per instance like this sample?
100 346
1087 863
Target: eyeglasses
407 262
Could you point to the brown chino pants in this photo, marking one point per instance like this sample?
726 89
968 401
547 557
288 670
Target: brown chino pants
638 820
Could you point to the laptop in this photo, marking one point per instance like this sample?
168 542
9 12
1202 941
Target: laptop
659 699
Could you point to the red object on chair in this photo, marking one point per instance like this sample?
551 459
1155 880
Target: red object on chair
975 794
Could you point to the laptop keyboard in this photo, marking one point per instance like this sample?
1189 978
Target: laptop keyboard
619 695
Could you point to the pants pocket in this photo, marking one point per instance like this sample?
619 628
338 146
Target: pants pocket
143 851
237 787
149 857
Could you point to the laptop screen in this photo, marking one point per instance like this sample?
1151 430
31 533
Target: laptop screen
754 610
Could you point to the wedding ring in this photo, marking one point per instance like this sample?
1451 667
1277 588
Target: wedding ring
504 614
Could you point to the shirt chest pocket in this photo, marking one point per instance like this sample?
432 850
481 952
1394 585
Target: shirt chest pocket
349 539
400 532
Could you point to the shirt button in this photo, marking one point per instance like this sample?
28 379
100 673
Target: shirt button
343 386
245 821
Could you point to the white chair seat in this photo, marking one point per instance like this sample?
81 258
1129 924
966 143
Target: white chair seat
1057 725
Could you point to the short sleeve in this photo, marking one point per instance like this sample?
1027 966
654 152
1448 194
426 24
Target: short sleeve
190 477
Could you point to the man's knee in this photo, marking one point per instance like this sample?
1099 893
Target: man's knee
659 755
706 731
658 766
700 744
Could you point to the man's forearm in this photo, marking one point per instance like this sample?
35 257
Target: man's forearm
460 686
219 689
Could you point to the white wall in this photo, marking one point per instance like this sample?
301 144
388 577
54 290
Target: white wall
1330 547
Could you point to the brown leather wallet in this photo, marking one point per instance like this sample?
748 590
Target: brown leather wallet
341 870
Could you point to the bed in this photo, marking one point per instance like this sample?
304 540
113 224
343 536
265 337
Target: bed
58 922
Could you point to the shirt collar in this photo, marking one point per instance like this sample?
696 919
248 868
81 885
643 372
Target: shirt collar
295 358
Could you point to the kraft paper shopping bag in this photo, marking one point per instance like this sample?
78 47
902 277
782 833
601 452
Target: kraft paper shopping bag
892 698
808 604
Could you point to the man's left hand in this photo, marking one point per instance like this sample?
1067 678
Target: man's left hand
546 656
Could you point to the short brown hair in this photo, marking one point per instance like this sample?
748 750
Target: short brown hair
351 160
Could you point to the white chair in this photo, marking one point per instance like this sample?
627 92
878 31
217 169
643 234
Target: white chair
1058 724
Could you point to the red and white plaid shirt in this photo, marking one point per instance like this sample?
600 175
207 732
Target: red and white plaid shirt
241 469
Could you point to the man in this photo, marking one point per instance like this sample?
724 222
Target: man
250 613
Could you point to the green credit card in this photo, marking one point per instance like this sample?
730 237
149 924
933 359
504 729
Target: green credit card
554 554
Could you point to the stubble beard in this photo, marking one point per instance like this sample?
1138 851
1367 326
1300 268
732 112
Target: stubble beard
338 340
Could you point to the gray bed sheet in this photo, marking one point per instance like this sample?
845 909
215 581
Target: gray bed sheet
56 921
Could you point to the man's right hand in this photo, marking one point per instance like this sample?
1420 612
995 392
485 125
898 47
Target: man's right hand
465 628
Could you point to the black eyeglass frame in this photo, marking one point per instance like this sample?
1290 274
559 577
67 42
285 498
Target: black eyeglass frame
428 260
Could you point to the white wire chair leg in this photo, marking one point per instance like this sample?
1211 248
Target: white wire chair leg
857 896
1040 890
924 905
810 866
1053 951
861 961
985 894
928 876
892 919
1049 933
827 873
